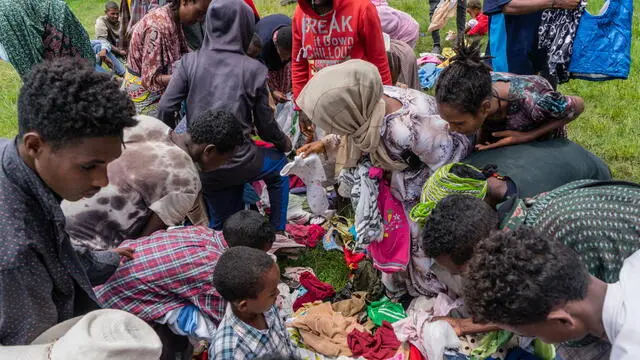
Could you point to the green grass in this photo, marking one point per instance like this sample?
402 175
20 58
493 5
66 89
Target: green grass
609 126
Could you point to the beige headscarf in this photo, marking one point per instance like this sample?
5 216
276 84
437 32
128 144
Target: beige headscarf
346 100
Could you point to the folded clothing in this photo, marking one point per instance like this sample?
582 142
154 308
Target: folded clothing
380 346
316 290
385 310
325 331
308 235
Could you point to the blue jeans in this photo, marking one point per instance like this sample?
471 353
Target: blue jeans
225 202
118 66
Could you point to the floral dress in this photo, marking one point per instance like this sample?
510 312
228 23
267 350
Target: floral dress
532 104
156 44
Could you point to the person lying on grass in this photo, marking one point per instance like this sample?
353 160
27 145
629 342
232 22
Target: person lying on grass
500 108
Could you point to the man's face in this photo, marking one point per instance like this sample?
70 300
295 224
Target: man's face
447 263
113 15
77 170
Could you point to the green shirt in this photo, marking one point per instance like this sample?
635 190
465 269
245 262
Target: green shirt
600 220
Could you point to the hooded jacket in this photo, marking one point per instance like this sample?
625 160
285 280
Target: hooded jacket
351 30
221 76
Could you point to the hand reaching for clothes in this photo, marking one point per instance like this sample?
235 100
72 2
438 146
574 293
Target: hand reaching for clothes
125 252
316 147
456 324
508 137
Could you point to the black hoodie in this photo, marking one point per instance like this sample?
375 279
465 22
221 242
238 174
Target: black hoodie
221 76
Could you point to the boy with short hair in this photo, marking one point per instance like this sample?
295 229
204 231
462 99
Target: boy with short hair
225 167
526 283
248 279
70 127
174 268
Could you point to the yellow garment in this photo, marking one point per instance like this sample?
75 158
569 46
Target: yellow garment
447 53
325 331
346 100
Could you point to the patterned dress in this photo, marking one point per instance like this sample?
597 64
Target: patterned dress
156 44
32 31
532 104
600 220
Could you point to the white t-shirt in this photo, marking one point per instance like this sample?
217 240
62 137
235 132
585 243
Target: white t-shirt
621 312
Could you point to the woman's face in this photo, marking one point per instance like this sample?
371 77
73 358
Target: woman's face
192 12
462 122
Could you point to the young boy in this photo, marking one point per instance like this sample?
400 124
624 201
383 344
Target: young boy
170 277
174 268
70 126
221 76
248 279
537 287
479 23
223 176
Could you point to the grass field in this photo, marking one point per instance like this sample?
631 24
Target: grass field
609 126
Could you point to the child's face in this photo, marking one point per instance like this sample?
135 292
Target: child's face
268 295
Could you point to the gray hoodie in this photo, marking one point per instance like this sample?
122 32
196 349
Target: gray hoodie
221 76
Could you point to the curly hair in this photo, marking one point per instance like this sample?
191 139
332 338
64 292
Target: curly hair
240 272
466 82
217 127
456 225
65 100
248 228
518 277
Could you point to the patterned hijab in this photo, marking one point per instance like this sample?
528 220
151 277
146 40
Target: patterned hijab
346 100
442 184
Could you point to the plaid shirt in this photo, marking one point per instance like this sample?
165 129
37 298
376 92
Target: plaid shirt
170 269
235 339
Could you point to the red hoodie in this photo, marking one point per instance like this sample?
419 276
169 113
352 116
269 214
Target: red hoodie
350 31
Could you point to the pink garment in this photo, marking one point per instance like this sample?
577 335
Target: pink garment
283 242
429 59
308 235
391 254
398 24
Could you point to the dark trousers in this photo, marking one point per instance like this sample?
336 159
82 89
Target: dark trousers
461 18
225 202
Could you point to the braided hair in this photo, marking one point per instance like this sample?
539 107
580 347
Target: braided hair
466 82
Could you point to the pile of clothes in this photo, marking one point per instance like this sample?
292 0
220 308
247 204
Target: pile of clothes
361 322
